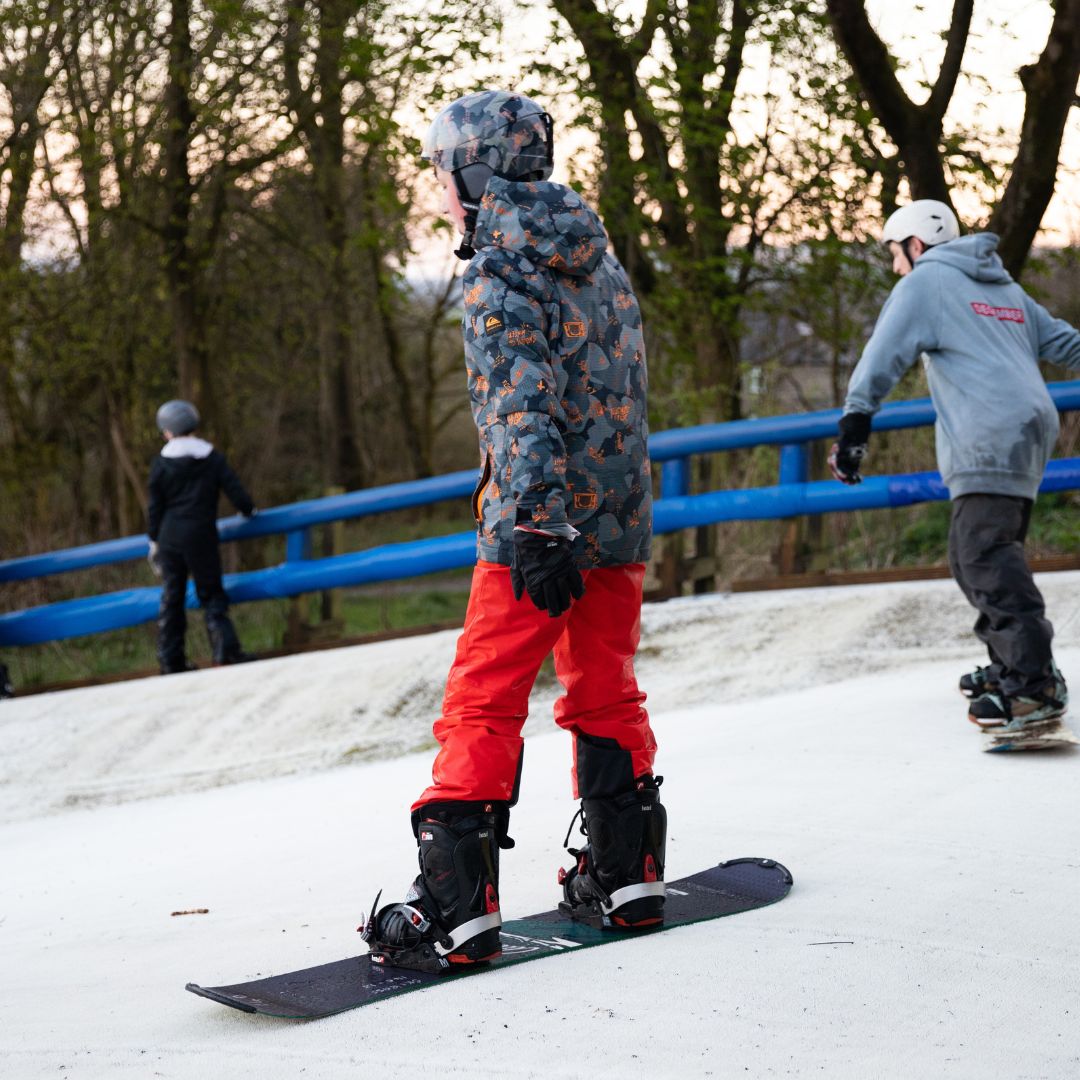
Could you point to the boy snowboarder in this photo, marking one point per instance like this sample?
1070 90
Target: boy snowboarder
980 337
185 480
557 380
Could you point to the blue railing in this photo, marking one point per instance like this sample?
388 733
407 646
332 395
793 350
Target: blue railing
676 509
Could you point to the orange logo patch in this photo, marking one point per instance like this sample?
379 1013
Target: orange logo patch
574 329
492 323
585 500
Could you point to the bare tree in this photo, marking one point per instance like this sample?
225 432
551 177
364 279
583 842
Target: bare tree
28 33
917 129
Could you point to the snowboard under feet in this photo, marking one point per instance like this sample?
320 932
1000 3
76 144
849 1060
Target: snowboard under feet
733 886
1040 735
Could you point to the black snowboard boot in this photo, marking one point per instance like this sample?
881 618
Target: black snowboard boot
618 879
450 916
983 680
176 669
1045 701
224 644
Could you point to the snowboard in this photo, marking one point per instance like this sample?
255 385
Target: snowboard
733 886
1043 735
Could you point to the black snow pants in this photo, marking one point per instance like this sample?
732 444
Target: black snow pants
986 555
200 559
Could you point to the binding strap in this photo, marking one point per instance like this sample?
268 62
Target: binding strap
631 892
491 921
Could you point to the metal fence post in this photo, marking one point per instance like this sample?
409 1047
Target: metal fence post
794 469
297 549
667 561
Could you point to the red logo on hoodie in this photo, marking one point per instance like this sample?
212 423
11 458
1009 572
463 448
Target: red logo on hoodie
1002 314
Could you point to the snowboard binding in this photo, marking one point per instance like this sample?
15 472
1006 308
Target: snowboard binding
617 880
450 916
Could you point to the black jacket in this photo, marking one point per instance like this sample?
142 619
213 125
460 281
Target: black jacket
184 498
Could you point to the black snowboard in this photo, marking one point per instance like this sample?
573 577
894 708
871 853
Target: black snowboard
733 886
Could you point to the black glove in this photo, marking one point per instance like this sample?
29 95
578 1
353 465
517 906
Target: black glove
848 452
544 567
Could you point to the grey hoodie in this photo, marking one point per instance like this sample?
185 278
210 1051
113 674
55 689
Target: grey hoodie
980 337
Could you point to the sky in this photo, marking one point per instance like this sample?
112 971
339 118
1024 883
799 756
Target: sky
1005 35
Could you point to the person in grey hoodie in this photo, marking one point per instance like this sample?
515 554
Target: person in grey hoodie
980 337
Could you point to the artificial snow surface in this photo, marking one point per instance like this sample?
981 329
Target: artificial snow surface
933 930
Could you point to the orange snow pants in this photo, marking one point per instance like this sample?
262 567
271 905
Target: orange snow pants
499 654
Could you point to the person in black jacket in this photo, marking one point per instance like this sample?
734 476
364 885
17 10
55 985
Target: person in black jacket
185 480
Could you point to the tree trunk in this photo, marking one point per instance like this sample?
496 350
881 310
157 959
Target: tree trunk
181 273
319 108
1050 86
691 223
915 129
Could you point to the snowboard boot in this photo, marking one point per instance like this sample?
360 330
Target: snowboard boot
224 644
983 680
178 667
999 711
450 917
618 877
239 657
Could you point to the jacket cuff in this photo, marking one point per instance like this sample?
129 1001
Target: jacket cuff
855 428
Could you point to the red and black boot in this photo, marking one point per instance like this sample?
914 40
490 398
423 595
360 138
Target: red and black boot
450 916
617 881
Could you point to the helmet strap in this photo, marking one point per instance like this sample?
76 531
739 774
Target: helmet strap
466 251
469 184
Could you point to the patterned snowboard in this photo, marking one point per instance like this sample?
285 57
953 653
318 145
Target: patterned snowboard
733 886
1045 735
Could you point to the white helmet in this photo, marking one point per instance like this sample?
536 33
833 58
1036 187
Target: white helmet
931 221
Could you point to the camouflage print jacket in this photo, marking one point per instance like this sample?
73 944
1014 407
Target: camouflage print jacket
557 377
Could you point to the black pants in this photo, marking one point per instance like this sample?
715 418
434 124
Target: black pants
202 561
986 555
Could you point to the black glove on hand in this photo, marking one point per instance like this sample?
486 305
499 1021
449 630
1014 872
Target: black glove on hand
544 567
848 452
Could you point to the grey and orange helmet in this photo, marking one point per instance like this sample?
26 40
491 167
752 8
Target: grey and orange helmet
489 133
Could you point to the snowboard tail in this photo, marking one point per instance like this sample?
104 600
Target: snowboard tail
733 886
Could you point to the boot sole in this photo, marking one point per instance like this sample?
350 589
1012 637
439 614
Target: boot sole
628 917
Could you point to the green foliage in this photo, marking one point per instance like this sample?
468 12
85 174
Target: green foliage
1055 524
730 137
250 257
925 540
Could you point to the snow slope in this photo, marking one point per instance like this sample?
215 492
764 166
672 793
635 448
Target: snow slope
932 930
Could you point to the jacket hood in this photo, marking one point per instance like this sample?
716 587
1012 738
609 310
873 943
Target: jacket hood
975 255
549 224
187 446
